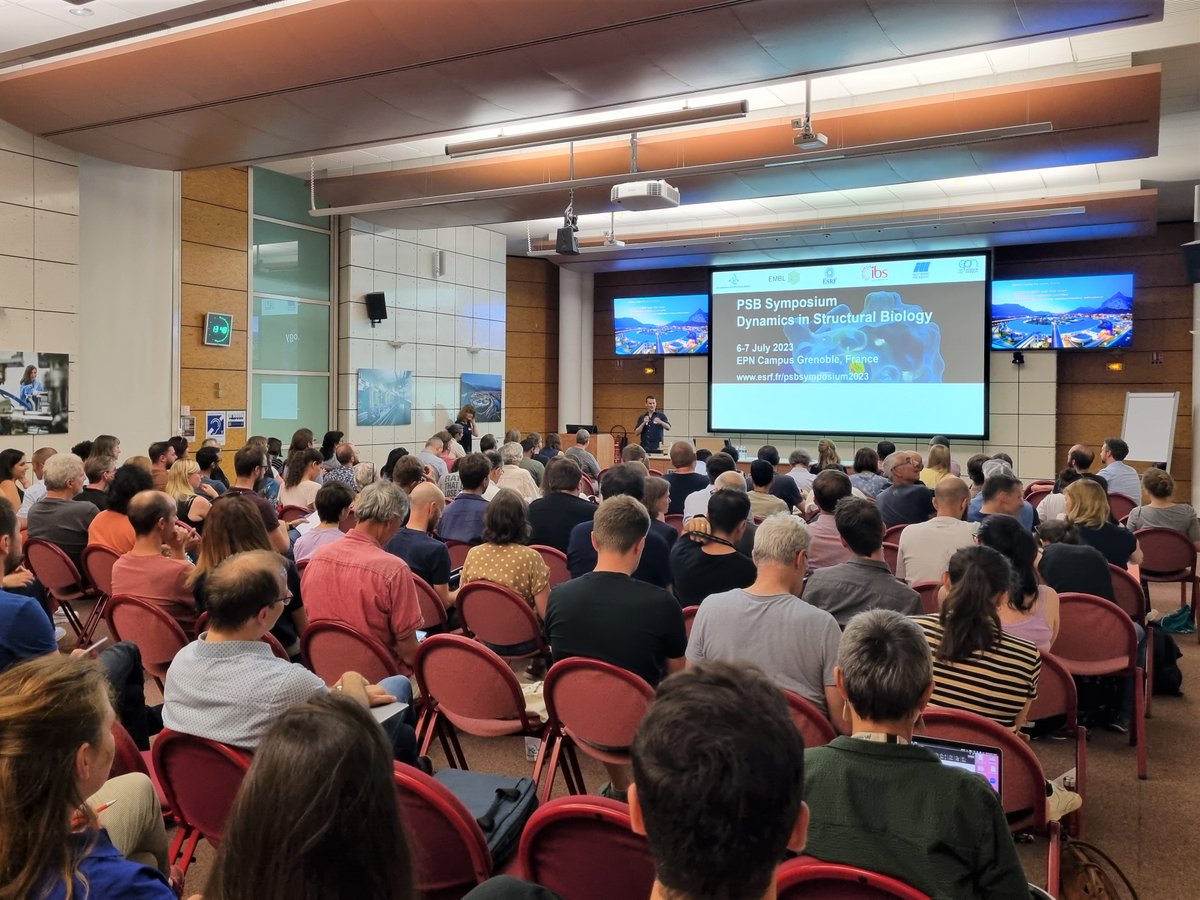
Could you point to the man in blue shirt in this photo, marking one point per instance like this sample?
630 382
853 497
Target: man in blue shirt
463 519
650 426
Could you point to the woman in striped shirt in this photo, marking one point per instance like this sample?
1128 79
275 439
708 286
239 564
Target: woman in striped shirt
977 666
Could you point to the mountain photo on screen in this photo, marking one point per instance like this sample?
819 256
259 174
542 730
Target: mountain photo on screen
1088 312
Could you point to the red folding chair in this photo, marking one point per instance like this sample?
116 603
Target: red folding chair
689 617
891 554
433 613
1169 556
500 617
157 635
466 686
1057 697
98 561
584 848
348 522
557 562
332 648
892 534
931 602
128 758
1035 495
1129 596
593 706
200 779
458 553
1042 484
1121 505
1095 637
814 726
61 579
450 853
675 520
1023 783
292 513
802 879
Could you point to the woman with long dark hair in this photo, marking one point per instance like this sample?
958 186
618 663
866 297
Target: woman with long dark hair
1032 608
13 468
317 817
300 484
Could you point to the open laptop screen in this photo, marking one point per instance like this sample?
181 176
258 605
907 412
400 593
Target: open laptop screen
981 760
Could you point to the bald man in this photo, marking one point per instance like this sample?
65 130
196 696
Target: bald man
735 481
925 553
144 572
428 557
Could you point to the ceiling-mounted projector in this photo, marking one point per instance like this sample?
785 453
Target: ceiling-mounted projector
808 139
640 195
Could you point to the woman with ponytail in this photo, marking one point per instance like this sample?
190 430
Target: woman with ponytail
978 667
1032 608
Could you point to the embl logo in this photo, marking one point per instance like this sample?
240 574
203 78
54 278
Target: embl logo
873 273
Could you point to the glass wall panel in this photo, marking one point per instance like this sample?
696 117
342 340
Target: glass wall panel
290 261
288 334
279 196
283 403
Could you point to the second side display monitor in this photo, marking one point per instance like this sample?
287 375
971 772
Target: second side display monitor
884 346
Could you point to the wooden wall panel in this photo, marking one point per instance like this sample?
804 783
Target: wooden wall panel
531 345
214 274
1091 399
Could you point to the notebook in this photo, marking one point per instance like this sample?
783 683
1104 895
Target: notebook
981 760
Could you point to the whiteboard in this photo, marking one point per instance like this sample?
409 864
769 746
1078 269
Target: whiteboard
1149 426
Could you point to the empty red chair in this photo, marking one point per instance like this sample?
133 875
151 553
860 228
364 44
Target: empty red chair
458 553
1057 696
1035 495
814 726
556 560
892 534
200 779
500 617
61 579
98 561
1042 484
1121 506
449 852
433 612
689 617
293 513
800 879
157 635
332 648
466 686
594 706
583 848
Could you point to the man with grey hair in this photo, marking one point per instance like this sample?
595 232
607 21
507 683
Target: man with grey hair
58 517
1003 496
907 501
580 453
512 476
356 581
800 460
767 623
883 804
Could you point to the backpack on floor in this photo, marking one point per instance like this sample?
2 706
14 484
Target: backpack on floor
1178 622
1168 680
500 804
1088 873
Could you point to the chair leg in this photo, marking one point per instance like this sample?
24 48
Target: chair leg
1149 692
94 617
1053 860
555 751
426 726
577 774
452 734
73 620
1138 731
544 739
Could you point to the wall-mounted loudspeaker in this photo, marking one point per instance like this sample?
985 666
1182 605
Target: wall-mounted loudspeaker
1191 259
376 307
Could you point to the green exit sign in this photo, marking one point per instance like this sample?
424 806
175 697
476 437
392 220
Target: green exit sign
218 329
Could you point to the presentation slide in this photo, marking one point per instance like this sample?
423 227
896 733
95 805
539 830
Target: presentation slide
882 346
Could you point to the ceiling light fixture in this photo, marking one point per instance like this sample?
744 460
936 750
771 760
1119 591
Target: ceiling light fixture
699 115
80 10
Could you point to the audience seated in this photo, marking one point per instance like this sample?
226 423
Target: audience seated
866 475
346 458
185 488
883 804
801 473
654 566
908 500
99 472
492 487
110 528
696 503
334 500
1161 512
58 517
209 461
364 474
450 484
463 521
513 476
503 557
926 547
432 456
1070 566
70 830
145 573
317 815
356 581
37 488
862 582
13 468
937 467
250 465
826 547
635 453
409 471
768 625
161 454
1119 477
781 486
1031 611
1054 504
394 456
582 456
228 685
1089 512
300 484
705 560
329 445
529 449
1002 495
656 497
426 556
684 480
609 615
975 472
553 516
763 502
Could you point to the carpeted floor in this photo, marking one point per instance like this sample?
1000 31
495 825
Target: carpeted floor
1144 825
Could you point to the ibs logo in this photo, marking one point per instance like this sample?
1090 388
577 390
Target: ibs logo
873 273
830 277
921 270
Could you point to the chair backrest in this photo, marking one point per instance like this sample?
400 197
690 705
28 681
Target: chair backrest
801 879
891 554
497 615
127 758
469 684
689 617
1128 592
331 648
1095 636
1023 783
1035 495
433 613
1041 484
449 852
814 726
1121 505
596 702
53 568
584 848
348 522
200 779
293 513
98 562
458 553
556 560
929 591
1166 552
277 648
157 635
1057 695
675 520
892 534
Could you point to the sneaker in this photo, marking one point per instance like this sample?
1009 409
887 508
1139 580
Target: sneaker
613 794
59 633
59 617
1120 726
1061 802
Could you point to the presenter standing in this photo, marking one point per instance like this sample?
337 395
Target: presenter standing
650 426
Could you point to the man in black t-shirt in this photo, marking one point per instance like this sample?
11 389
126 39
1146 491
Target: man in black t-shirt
654 568
428 557
650 426
608 615
782 486
685 479
1070 566
554 515
709 563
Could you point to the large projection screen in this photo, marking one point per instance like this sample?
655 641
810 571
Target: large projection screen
891 346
